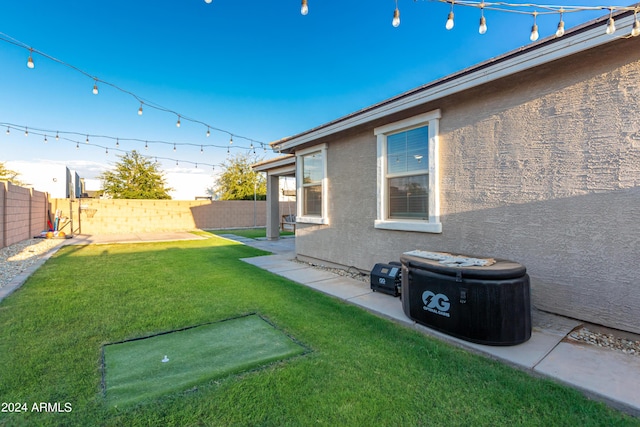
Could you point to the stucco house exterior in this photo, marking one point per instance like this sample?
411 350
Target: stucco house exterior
533 156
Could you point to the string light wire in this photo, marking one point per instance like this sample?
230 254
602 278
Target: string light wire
34 131
29 129
30 63
494 6
106 148
538 9
534 10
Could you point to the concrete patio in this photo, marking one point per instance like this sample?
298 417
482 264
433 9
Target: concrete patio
602 374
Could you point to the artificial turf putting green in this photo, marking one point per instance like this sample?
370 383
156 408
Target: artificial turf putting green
134 370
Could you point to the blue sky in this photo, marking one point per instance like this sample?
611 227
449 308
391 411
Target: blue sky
254 68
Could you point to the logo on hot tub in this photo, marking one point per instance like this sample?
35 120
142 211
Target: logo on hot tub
436 303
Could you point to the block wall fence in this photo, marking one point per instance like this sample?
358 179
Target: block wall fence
104 216
23 213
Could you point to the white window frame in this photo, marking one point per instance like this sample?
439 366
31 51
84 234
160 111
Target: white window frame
311 219
432 224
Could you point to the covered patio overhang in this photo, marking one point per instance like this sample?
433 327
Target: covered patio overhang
283 166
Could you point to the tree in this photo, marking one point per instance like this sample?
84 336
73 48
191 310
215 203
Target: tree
238 179
9 175
135 177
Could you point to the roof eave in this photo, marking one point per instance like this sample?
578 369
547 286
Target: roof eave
275 163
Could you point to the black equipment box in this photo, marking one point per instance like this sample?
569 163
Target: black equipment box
483 304
386 278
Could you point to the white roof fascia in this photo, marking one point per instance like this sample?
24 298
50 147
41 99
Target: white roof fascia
560 48
277 163
285 170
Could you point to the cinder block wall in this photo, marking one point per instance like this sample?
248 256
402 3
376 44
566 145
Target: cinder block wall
39 207
97 216
23 213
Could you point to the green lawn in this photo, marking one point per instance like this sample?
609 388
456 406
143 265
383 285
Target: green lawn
362 370
251 233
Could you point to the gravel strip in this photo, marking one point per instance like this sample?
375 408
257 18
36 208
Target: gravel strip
607 340
20 256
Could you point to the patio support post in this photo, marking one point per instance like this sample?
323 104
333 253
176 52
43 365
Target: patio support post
273 207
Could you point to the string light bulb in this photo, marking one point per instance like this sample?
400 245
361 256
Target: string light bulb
208 132
449 24
304 9
77 145
95 87
8 131
611 25
560 30
146 146
396 16
45 139
117 142
534 29
201 149
208 1
87 140
178 122
635 31
483 25
174 147
26 132
230 139
483 21
106 151
57 137
30 63
140 110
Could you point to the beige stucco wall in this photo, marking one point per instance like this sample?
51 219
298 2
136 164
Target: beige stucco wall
542 168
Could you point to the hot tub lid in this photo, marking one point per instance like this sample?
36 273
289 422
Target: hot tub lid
470 267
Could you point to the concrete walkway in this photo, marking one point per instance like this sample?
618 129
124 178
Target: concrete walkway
609 376
602 374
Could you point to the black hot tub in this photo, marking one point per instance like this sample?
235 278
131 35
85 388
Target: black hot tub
482 300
